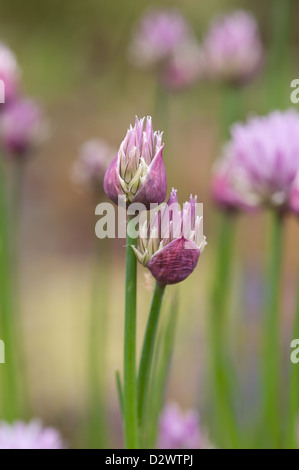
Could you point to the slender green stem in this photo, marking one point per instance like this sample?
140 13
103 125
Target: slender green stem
8 372
147 353
271 336
119 391
97 348
231 110
279 52
161 367
130 389
293 390
224 416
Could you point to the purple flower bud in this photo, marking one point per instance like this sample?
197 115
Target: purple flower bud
179 430
156 36
92 162
233 48
9 73
138 171
170 244
263 161
22 127
20 435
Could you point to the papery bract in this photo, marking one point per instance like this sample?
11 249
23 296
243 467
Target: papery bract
138 171
170 245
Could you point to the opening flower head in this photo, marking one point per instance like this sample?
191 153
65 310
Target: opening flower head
138 170
170 244
263 160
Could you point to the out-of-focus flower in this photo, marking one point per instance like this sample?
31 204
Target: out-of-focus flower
138 171
294 199
233 48
263 161
170 244
156 37
185 66
92 162
179 430
9 72
22 127
223 190
32 435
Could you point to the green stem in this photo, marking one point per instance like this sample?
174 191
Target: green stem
230 109
271 338
130 389
8 372
97 348
221 367
147 353
293 391
279 52
161 367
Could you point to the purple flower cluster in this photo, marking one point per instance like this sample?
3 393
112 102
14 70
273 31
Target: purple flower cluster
22 124
179 430
164 40
32 435
170 245
232 48
260 165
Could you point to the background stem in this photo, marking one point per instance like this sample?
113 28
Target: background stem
224 418
271 336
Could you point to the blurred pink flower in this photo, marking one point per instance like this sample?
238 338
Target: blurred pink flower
233 49
156 36
170 245
20 435
89 169
138 171
22 127
185 66
294 199
263 161
9 72
179 430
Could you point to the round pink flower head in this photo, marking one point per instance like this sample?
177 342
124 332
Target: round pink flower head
264 156
185 67
32 435
224 191
138 171
233 48
156 36
171 242
92 162
179 430
9 73
22 127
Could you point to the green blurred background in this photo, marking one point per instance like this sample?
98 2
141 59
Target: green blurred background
73 56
